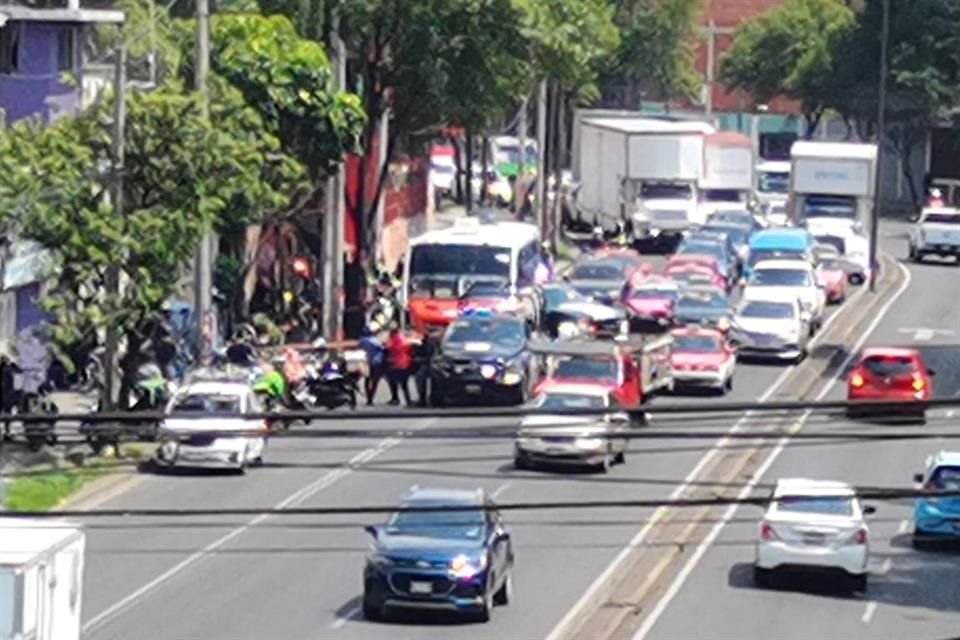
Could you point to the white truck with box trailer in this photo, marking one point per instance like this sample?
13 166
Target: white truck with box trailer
832 192
41 579
726 181
641 172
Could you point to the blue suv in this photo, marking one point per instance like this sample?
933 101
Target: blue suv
938 518
459 561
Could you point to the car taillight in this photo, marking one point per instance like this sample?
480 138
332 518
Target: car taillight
860 537
585 324
857 381
918 382
767 532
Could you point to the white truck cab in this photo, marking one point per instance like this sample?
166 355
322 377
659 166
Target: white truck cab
936 232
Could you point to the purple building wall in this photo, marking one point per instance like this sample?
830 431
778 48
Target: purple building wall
36 87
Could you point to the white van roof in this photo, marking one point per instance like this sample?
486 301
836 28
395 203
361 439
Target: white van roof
23 540
650 125
474 232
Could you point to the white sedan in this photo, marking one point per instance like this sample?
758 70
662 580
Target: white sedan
555 438
206 428
771 329
787 279
815 526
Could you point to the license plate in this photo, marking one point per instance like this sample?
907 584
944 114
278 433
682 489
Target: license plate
560 450
813 539
421 587
473 388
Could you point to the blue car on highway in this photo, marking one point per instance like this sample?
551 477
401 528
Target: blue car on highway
457 561
938 518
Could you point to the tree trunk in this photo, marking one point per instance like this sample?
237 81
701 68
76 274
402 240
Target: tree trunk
458 163
468 175
485 167
129 364
630 93
812 119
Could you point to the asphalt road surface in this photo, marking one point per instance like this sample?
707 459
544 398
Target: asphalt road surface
295 578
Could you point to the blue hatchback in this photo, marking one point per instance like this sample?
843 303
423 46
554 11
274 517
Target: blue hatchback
457 561
938 517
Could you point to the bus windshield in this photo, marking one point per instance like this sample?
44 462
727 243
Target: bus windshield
448 261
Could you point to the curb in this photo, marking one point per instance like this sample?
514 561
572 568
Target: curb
107 487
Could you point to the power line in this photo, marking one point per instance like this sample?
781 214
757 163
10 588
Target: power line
715 501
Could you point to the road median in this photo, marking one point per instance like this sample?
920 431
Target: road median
619 602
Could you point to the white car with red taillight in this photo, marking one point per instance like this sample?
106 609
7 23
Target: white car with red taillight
815 526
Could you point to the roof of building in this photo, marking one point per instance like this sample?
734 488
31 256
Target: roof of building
17 13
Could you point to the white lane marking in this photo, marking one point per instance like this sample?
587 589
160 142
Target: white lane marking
352 614
702 549
299 496
577 610
885 567
868 612
904 525
925 334
499 491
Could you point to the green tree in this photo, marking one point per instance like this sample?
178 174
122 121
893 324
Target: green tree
180 175
791 50
657 47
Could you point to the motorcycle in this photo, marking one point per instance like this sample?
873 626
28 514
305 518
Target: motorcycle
334 387
38 433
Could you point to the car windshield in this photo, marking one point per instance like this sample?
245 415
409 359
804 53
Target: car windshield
702 300
699 344
759 255
597 271
737 234
457 525
773 182
722 195
437 287
456 260
827 505
555 296
506 332
778 310
780 278
884 366
559 401
942 218
208 403
946 478
585 367
714 249
654 191
739 217
654 293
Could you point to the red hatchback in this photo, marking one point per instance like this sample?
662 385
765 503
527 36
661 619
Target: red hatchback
887 374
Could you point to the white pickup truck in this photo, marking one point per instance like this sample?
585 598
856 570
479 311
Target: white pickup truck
937 232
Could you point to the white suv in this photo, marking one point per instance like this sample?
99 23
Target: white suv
814 525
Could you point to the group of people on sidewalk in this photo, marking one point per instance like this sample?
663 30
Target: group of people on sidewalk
397 357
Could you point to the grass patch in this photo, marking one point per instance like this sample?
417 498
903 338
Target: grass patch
44 489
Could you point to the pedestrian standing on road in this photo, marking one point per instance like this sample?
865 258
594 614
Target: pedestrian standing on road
399 363
376 360
423 356
8 388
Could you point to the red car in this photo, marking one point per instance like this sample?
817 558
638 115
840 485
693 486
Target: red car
833 277
651 299
699 262
889 374
702 358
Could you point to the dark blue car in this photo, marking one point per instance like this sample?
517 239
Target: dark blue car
456 561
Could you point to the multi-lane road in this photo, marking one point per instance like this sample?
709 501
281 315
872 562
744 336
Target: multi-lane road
300 577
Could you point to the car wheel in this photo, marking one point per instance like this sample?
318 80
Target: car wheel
761 577
503 595
620 458
728 385
858 583
520 461
372 611
483 615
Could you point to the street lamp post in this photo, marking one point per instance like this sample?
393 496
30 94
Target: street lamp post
881 129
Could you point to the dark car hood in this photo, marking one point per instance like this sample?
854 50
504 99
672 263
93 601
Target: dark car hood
430 549
490 351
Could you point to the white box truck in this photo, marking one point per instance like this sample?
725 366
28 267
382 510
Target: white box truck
641 172
41 579
832 190
726 182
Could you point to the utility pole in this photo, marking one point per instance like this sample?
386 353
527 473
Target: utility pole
519 185
881 130
118 130
541 216
558 139
333 215
202 276
711 63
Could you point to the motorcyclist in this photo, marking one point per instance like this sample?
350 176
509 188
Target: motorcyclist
241 353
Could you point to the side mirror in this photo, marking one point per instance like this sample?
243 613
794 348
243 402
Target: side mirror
373 531
914 218
918 477
565 277
931 372
869 511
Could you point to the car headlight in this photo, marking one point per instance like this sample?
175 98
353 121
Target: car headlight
379 560
488 371
723 324
624 326
590 443
465 567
